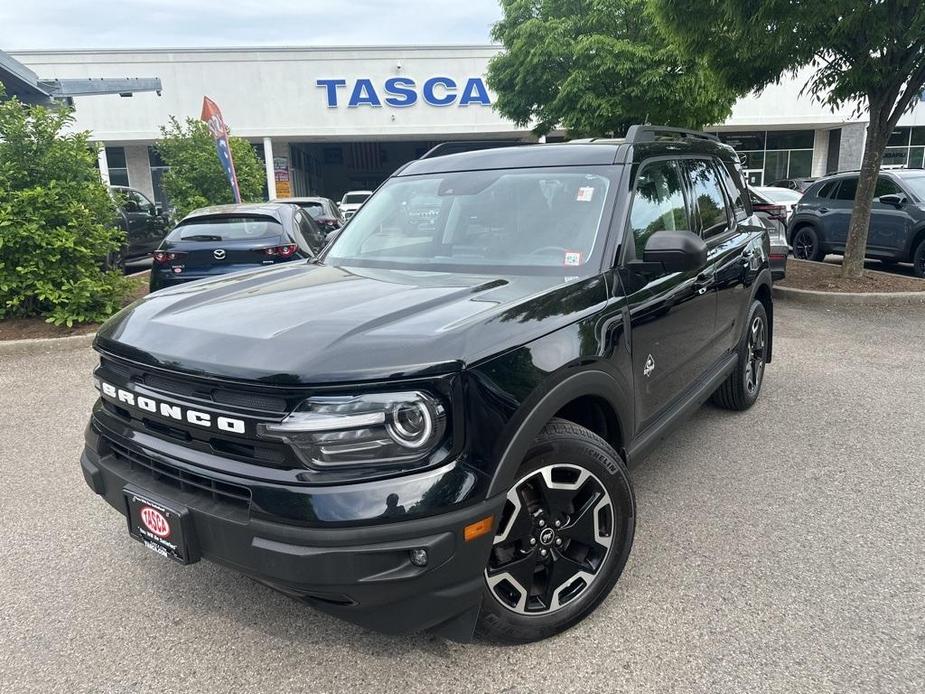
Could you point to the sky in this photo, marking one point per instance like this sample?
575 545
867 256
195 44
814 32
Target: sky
59 24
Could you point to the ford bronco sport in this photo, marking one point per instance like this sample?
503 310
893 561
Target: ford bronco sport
429 426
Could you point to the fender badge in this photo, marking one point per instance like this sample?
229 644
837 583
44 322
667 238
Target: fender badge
649 367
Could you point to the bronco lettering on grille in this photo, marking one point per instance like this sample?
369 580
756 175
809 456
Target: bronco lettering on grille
181 414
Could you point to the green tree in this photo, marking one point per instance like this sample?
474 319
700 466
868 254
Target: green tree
596 67
56 220
867 54
196 178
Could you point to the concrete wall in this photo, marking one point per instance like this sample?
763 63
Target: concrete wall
820 152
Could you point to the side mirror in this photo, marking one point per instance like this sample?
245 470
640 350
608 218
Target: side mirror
894 200
675 251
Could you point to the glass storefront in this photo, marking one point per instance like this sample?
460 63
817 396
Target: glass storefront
906 147
769 155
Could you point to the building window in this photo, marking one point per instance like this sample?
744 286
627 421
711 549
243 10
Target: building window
158 169
770 155
906 147
118 171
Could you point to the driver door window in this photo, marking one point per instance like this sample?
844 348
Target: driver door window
707 198
658 203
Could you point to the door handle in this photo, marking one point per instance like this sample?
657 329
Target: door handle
703 282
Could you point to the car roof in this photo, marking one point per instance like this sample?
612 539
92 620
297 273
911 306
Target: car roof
597 152
358 192
309 198
279 211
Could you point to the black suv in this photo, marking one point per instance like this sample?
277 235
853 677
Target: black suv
144 224
429 426
819 224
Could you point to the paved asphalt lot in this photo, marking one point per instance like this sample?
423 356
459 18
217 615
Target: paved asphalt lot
779 550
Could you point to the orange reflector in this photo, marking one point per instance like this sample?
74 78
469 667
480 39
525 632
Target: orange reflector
479 528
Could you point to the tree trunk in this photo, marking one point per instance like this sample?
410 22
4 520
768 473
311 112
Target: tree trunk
856 247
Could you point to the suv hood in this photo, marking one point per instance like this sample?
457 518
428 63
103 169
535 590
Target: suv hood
312 324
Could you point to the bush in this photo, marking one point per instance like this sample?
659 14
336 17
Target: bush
56 220
196 177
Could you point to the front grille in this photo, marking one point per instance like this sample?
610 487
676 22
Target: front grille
180 479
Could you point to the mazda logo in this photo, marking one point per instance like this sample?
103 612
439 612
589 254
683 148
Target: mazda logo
219 254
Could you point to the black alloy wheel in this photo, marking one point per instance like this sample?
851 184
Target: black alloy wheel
563 537
756 353
554 539
806 244
741 389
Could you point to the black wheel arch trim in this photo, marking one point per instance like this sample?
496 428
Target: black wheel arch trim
591 382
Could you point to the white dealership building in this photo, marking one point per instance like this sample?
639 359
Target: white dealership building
327 120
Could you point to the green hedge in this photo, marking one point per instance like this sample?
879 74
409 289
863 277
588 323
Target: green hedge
56 220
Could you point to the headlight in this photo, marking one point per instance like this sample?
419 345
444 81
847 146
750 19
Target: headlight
369 429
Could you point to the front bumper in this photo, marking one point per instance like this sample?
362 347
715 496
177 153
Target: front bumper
360 573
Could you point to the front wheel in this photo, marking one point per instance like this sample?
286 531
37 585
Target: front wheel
740 390
563 538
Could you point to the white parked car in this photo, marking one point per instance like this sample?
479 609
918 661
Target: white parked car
774 206
352 201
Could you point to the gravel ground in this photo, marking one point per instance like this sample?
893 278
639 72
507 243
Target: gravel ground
778 550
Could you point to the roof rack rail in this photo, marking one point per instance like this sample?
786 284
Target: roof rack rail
457 146
651 133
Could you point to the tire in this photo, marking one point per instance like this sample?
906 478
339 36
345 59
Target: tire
918 259
806 244
741 389
571 567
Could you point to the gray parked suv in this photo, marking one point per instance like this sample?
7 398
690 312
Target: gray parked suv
819 224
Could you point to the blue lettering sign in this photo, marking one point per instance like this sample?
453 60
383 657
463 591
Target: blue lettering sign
402 87
448 85
401 92
331 90
474 93
364 94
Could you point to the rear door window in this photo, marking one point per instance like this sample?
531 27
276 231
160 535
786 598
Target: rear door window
827 189
847 190
227 229
707 197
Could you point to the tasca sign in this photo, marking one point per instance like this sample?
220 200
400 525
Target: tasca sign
401 92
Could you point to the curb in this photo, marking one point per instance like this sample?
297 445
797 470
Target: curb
806 296
45 345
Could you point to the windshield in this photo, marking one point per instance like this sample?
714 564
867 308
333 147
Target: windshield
354 198
916 184
534 221
226 229
780 194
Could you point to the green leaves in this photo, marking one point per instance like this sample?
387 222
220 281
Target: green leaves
56 220
596 67
196 178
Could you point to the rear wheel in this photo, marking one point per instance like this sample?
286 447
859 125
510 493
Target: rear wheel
806 245
918 259
563 538
741 389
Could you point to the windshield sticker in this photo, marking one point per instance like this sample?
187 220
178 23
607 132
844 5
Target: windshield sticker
585 194
572 258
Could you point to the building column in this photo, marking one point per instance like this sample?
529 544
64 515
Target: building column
103 162
853 136
820 153
268 163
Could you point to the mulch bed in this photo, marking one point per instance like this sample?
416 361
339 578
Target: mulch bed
825 277
33 328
